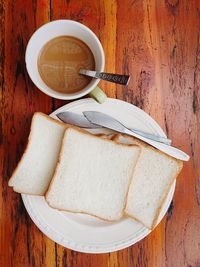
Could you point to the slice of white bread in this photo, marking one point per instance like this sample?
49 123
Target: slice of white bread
37 165
92 176
153 176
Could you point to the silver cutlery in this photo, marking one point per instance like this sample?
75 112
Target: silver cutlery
109 122
76 119
110 77
81 121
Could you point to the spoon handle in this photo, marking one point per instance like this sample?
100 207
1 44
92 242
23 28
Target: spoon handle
110 77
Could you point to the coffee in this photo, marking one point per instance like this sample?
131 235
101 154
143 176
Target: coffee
59 63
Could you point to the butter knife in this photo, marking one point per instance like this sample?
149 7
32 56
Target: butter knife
81 121
76 119
105 120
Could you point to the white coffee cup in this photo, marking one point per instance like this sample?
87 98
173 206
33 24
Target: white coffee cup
58 28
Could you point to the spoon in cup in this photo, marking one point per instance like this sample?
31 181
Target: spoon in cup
110 77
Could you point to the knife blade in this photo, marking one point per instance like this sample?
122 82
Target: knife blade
81 121
107 121
76 119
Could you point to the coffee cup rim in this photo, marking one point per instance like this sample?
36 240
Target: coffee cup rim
47 90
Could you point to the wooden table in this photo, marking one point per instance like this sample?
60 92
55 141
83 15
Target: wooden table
158 43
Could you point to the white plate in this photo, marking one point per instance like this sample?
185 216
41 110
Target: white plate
85 233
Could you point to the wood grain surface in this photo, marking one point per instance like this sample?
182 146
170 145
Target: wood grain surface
158 43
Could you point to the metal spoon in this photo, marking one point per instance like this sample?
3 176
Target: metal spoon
110 77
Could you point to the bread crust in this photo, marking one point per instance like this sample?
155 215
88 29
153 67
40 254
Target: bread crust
103 136
58 165
165 196
27 146
83 212
130 180
25 193
115 136
97 137
179 162
60 153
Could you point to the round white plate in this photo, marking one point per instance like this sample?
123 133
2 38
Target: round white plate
85 233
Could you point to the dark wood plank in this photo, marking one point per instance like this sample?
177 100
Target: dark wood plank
21 242
158 43
92 14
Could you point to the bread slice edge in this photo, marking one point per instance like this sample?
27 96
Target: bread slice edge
180 163
27 146
58 165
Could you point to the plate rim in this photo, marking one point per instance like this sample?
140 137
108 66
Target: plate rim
89 249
